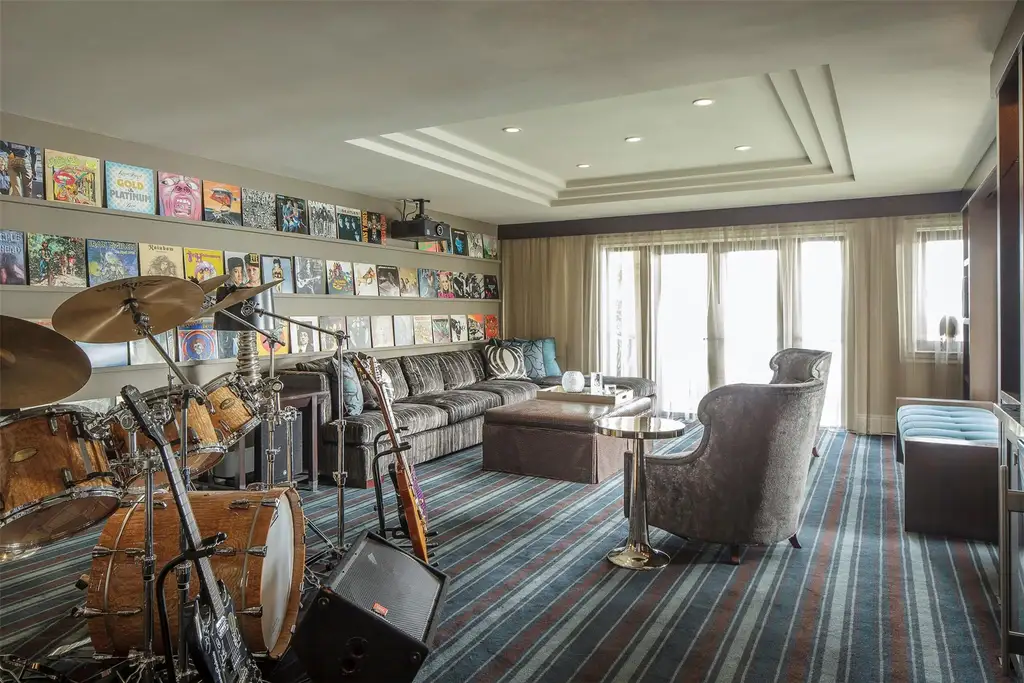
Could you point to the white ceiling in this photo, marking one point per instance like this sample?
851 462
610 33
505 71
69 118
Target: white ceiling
402 99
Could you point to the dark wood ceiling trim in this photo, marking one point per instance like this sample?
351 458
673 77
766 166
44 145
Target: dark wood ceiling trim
844 209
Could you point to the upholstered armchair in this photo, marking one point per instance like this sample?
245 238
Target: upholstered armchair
744 483
799 365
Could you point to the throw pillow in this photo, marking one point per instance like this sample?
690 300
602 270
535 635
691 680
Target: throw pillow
533 356
504 362
551 368
370 401
351 389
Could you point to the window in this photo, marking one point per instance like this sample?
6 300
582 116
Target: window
940 292
618 321
821 315
682 332
750 296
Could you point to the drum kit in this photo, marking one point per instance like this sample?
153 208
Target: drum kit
64 469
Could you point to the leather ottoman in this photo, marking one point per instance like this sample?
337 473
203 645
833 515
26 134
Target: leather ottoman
555 439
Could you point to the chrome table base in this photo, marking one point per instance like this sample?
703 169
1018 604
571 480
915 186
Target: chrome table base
637 553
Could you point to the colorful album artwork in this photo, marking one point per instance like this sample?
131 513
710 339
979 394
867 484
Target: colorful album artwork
428 283
366 279
161 259
21 170
491 287
491 327
322 220
110 260
141 351
13 267
283 333
106 355
405 334
476 244
382 331
202 264
130 188
227 344
56 260
197 340
358 331
335 323
291 215
259 209
375 227
444 285
459 285
489 245
279 268
180 196
441 325
340 279
459 245
423 329
475 327
387 281
495 248
434 247
73 178
235 266
408 282
305 340
309 275
253 270
350 224
474 286
222 203
459 330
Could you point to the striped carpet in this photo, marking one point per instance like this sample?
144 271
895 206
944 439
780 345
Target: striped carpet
533 600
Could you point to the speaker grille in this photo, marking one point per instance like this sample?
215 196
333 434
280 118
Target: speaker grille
390 583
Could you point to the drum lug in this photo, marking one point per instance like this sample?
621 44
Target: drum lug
53 424
157 504
257 551
260 655
256 611
101 551
225 552
270 502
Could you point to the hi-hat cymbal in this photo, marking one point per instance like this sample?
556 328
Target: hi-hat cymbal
212 283
235 297
101 314
38 365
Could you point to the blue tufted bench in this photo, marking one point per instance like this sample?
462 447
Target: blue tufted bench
950 453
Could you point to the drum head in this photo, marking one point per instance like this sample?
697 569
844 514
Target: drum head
276 582
56 518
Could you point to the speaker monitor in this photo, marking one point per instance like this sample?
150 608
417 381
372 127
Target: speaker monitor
374 617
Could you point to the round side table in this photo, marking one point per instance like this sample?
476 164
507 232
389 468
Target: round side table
637 553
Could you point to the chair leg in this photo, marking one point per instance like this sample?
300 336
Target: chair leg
734 554
794 541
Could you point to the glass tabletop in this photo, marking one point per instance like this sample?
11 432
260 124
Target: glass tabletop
641 427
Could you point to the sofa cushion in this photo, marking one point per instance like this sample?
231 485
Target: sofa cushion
351 389
504 362
955 423
394 369
423 374
460 404
459 369
418 417
509 391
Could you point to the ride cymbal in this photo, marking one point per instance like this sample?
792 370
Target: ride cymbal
102 314
38 365
237 296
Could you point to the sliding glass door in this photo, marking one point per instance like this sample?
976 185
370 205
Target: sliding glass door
821 314
681 331
750 303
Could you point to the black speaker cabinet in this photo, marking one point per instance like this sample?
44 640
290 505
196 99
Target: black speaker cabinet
374 617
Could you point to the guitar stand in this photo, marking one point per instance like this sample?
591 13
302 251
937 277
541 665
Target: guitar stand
397 532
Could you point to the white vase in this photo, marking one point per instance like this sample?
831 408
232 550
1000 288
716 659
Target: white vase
573 382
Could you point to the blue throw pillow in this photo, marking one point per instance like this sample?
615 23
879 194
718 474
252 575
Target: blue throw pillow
551 368
533 356
351 389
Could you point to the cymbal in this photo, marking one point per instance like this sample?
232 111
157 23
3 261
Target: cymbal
235 297
212 283
101 314
38 365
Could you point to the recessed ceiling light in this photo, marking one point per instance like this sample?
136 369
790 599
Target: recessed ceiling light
582 165
703 102
743 148
634 138
512 129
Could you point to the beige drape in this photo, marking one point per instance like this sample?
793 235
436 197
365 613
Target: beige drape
550 289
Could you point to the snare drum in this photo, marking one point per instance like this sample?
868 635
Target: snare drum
261 564
54 477
233 410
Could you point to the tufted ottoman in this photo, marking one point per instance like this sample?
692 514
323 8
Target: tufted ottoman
950 453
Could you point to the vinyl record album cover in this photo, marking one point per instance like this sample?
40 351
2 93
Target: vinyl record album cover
366 279
73 178
334 323
489 246
382 331
56 260
491 287
442 329
475 327
282 332
474 286
279 268
227 344
428 283
459 246
476 244
322 219
21 170
458 328
161 259
340 279
408 283
405 334
491 327
106 355
180 196
259 209
350 224
309 276
141 352
222 203
434 247
374 227
444 285
387 281
202 264
423 329
130 188
305 340
359 331
459 285
197 340
13 264
244 268
110 260
291 215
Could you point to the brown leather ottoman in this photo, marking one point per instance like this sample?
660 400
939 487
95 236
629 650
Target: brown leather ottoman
555 439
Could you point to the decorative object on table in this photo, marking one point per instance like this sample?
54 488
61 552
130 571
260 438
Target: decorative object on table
504 362
475 327
13 264
444 285
382 331
180 196
323 222
405 334
291 215
73 178
130 188
387 281
56 261
340 278
459 285
458 327
596 383
442 329
161 260
423 330
222 203
21 170
366 279
428 283
350 224
408 282
259 209
608 398
459 246
491 290
110 260
278 268
573 381
359 331
309 275
203 264
476 244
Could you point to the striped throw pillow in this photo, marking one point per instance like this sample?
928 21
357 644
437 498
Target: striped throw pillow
505 362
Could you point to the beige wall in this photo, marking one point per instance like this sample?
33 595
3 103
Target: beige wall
50 217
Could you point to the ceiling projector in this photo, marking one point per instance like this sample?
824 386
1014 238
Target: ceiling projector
421 227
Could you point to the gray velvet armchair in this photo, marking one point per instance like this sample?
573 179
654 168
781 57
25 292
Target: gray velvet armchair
794 365
744 484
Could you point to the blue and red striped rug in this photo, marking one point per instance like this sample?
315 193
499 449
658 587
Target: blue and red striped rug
532 598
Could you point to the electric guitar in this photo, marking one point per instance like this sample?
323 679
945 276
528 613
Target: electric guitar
409 493
215 642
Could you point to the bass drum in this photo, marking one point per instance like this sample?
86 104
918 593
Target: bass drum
261 564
